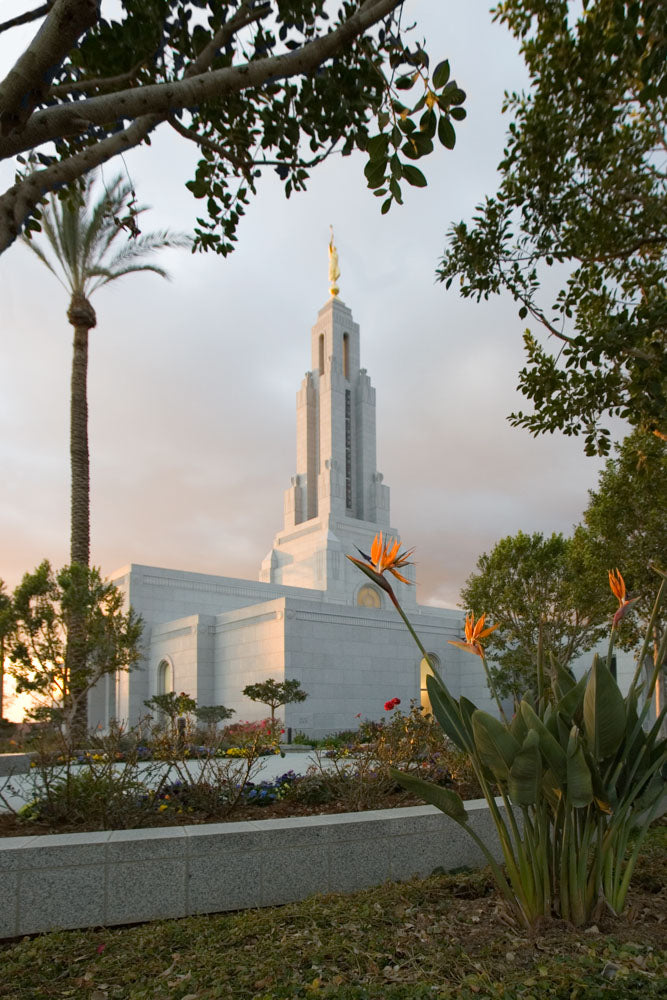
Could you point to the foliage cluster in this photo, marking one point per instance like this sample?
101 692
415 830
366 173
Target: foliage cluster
552 591
44 643
131 775
581 205
578 773
275 693
277 84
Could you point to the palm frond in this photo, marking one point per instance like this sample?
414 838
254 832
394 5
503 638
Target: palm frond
82 234
106 276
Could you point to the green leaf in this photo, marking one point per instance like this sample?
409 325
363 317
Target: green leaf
554 754
446 133
571 703
604 712
447 713
377 146
413 175
441 74
494 743
443 799
405 82
525 777
579 781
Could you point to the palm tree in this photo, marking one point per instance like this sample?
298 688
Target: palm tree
91 245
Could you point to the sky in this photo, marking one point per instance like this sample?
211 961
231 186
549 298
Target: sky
192 382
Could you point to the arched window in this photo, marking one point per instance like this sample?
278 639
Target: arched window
165 677
369 597
424 671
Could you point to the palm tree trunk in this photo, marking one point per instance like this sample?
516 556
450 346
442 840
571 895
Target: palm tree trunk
82 317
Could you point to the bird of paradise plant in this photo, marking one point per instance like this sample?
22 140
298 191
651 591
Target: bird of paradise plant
572 782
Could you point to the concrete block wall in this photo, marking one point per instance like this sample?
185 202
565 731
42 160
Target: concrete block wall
128 876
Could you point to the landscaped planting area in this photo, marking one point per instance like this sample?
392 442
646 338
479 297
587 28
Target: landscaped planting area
131 779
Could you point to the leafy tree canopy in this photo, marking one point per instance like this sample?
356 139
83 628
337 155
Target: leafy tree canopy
253 83
582 191
45 604
275 693
530 586
625 527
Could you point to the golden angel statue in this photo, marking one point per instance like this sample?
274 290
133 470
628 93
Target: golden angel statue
334 269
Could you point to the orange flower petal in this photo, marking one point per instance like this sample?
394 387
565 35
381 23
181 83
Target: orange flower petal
470 647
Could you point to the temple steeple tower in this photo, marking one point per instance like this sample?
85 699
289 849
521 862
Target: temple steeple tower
336 500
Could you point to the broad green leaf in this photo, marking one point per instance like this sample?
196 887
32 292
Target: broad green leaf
554 753
562 681
413 175
518 727
444 799
525 775
494 743
446 133
569 706
467 709
377 146
441 74
447 713
579 781
604 712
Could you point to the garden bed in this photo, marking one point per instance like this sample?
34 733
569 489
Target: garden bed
13 826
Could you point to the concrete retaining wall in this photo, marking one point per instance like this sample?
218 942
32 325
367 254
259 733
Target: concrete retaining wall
127 876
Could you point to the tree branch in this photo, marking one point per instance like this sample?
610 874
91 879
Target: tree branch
27 83
245 15
163 98
95 84
149 106
31 15
18 202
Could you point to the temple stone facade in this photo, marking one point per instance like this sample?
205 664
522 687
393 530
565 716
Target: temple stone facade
312 615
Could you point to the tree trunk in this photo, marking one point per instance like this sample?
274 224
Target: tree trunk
82 317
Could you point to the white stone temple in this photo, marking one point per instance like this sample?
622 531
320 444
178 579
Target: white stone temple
313 615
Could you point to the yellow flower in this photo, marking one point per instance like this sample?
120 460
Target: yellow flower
474 631
162 807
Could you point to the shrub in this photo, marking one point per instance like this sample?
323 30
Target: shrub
578 774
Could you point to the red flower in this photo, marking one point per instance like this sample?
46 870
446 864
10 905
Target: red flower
389 705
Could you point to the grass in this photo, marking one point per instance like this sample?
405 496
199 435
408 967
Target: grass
444 937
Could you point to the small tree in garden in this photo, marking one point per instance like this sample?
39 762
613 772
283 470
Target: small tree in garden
531 587
275 693
178 706
577 774
45 605
171 704
211 715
